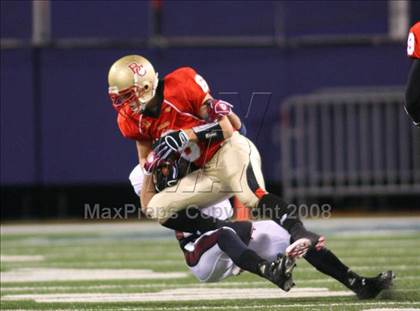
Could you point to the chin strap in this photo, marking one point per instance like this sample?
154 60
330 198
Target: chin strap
143 103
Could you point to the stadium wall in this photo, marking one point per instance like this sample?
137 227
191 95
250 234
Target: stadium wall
70 138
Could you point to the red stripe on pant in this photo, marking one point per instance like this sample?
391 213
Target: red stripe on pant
204 244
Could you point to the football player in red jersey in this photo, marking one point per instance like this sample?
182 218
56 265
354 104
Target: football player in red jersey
177 116
412 93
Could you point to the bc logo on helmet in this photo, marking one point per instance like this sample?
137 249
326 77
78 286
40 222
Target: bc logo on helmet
137 69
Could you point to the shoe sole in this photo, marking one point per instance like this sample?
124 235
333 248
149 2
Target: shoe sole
287 267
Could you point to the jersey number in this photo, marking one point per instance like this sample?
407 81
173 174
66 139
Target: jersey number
202 83
411 44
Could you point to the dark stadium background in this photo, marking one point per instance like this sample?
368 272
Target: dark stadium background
60 145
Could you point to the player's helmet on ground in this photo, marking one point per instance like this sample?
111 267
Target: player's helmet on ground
132 80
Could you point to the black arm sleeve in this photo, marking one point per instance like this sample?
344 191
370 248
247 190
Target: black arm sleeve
412 92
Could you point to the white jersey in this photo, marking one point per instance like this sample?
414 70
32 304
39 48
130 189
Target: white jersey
203 256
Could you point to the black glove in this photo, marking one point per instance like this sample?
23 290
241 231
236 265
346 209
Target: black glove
170 144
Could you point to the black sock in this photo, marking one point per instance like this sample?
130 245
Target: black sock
278 210
326 262
193 221
244 257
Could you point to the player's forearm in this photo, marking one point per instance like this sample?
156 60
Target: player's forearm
147 192
225 126
234 120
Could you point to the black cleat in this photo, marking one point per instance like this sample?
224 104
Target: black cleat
368 288
279 272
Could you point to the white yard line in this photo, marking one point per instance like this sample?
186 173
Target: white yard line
86 227
183 294
294 305
287 306
254 306
166 285
372 267
57 274
361 246
21 258
154 286
63 274
179 263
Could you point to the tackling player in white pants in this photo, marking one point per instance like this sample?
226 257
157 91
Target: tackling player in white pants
203 255
209 263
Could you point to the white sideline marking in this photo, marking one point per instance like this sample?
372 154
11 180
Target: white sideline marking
393 309
21 258
52 274
183 294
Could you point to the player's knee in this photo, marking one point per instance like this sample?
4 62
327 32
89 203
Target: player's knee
149 212
248 200
163 214
157 211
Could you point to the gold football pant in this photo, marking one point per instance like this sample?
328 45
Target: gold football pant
235 169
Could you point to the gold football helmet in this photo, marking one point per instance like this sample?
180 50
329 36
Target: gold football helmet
132 80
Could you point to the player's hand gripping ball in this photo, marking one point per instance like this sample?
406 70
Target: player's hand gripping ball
217 109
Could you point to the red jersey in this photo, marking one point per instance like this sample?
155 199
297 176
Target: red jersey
183 94
413 41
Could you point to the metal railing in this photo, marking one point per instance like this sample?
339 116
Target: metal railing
348 142
398 25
